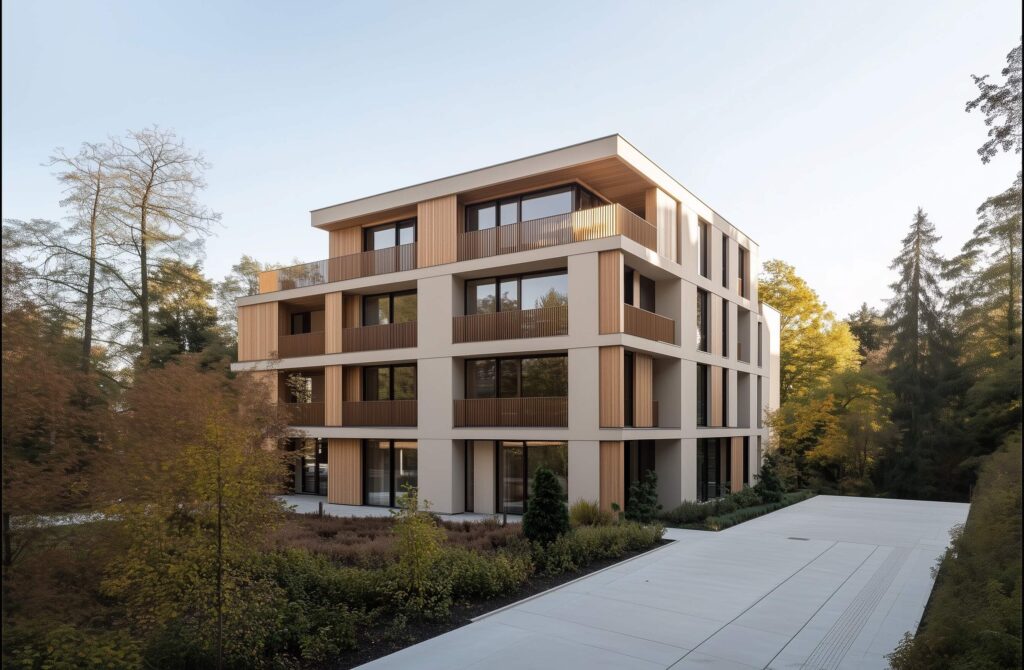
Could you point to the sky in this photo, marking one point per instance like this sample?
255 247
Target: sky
817 128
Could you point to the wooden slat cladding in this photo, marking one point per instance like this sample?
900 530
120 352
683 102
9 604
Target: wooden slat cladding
344 471
648 325
303 413
612 477
303 344
511 325
736 465
380 413
661 211
346 241
332 395
352 305
610 364
257 331
387 336
437 228
579 226
268 281
643 391
717 418
511 412
333 322
715 327
352 384
609 291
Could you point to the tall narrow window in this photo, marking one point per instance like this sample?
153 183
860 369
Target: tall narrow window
746 460
725 328
742 272
725 260
702 320
704 252
725 398
627 383
647 292
627 286
760 343
702 395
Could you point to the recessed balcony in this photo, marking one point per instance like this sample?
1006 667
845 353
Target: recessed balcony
383 336
512 412
648 325
379 413
511 325
302 344
303 413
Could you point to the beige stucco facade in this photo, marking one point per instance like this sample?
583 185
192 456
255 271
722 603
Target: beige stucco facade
455 465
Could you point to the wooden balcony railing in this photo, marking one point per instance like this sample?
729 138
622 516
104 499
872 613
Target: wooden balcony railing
386 336
351 266
303 413
649 325
511 325
579 226
303 344
511 412
379 413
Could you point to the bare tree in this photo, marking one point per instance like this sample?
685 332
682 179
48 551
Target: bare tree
157 182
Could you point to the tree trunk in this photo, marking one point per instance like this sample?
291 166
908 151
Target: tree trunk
90 291
144 279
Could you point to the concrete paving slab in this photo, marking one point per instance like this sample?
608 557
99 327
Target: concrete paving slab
748 597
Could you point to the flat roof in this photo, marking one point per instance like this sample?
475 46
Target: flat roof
611 149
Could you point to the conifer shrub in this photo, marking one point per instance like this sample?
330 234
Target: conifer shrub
643 504
547 516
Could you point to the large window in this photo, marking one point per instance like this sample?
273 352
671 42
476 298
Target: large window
389 308
702 395
389 382
713 468
390 468
632 283
532 291
529 207
517 464
702 320
639 460
301 322
725 260
742 270
389 235
520 377
704 252
311 463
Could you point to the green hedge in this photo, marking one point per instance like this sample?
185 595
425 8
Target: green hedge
747 513
728 510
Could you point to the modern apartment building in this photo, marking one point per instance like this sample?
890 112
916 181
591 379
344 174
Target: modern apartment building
578 309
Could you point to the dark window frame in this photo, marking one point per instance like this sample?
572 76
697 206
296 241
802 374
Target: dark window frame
498 279
307 323
741 261
497 373
364 446
390 367
628 390
577 190
397 226
725 329
391 305
725 260
704 252
499 446
703 381
703 332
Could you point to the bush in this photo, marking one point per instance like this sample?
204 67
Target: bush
417 582
479 576
747 497
643 499
66 647
587 544
546 515
769 486
588 513
747 513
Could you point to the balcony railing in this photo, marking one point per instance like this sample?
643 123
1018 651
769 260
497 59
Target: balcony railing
352 266
511 325
302 344
379 413
511 412
649 325
385 336
579 226
303 413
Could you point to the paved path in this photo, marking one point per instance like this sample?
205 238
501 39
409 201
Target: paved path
309 504
830 583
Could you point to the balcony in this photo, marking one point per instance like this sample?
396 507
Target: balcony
303 344
303 413
512 412
651 326
352 266
579 226
511 325
385 336
379 413
640 421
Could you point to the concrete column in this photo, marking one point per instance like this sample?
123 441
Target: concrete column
434 301
583 296
584 389
584 470
440 473
483 477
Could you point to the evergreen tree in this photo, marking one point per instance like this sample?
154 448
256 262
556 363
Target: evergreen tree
868 325
917 357
769 485
643 499
546 516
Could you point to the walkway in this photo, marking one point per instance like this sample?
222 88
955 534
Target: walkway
309 504
830 583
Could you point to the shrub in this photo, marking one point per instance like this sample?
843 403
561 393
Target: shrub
546 515
587 544
769 486
418 584
66 647
747 513
475 575
643 499
588 513
746 497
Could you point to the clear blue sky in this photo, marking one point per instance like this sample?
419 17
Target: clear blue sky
816 127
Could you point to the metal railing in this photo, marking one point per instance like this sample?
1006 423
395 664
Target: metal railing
511 412
578 226
302 344
379 413
648 325
351 266
303 413
384 336
511 325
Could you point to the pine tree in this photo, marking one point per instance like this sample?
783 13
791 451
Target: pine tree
546 516
918 355
643 499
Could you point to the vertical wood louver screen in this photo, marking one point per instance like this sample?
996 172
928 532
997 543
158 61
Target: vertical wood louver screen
717 409
333 322
609 286
643 391
346 241
437 231
612 477
344 471
661 210
257 331
332 395
610 363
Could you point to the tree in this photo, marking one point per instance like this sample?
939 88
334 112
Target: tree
192 481
813 344
184 321
868 325
158 180
243 280
1001 105
920 353
769 485
546 516
643 499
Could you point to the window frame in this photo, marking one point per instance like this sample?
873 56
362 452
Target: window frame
390 367
497 374
397 226
498 279
391 306
577 189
